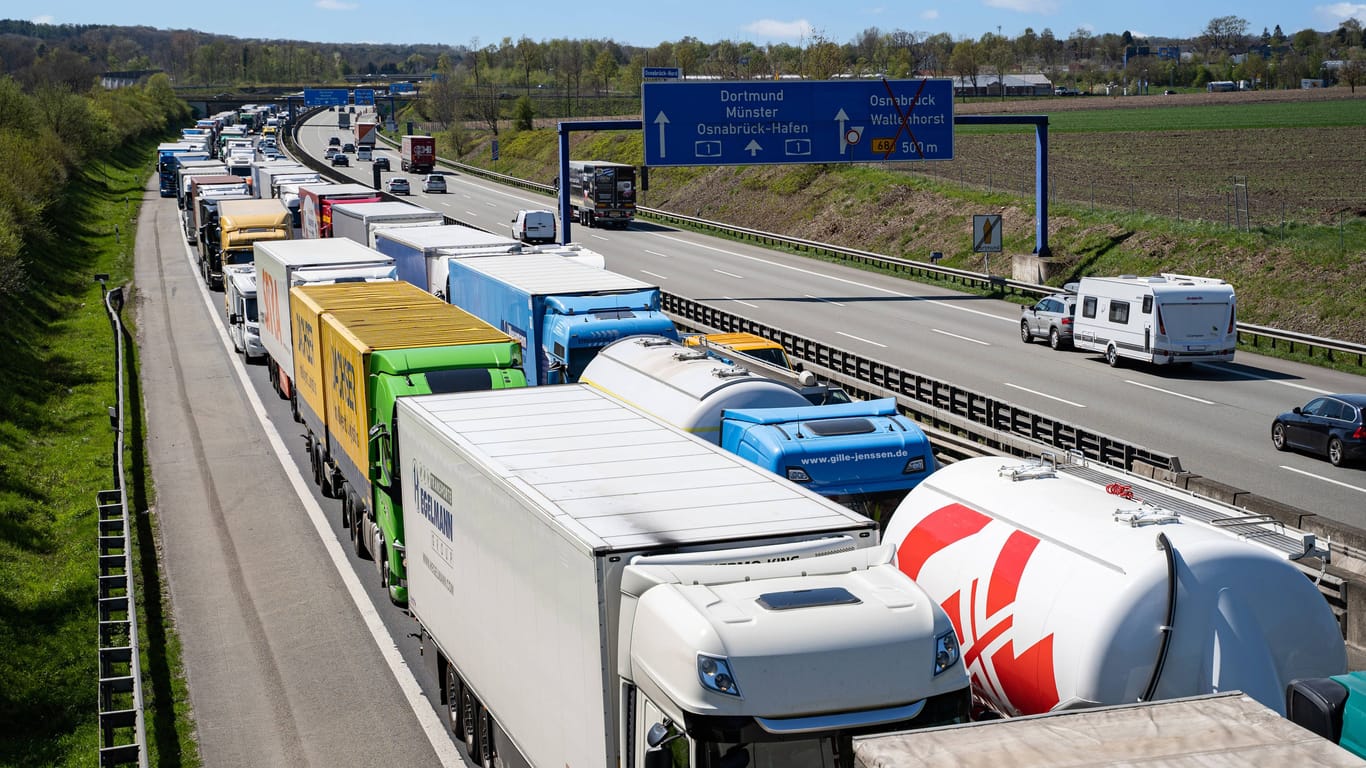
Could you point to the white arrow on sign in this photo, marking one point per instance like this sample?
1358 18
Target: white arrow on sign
753 147
661 121
841 117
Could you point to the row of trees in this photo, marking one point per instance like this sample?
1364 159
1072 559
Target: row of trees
47 133
34 52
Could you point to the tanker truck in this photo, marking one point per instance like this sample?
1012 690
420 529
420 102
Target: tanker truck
358 349
1073 585
863 454
562 312
596 588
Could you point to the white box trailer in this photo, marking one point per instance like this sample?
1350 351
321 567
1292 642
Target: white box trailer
1074 585
283 264
360 221
1165 319
587 573
417 250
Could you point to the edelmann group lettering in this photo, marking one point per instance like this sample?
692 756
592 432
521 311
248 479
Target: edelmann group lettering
432 506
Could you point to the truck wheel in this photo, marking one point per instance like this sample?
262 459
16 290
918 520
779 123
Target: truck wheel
453 708
1025 335
316 461
358 533
470 713
483 744
1112 356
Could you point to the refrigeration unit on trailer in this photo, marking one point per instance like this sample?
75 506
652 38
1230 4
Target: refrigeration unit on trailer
594 587
1165 319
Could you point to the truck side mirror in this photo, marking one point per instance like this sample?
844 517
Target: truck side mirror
658 758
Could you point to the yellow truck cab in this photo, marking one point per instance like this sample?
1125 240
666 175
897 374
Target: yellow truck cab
243 223
747 344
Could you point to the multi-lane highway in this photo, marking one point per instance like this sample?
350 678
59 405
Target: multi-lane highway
1215 417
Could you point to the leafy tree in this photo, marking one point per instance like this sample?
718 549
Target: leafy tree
605 69
523 114
1353 71
1224 33
966 61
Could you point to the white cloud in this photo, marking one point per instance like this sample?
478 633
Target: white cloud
1337 13
335 5
1025 6
783 30
46 18
929 14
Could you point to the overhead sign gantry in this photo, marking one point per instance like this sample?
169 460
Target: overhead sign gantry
799 121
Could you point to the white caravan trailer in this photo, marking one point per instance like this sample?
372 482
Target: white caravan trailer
1165 319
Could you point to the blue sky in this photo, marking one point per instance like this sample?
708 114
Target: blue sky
655 21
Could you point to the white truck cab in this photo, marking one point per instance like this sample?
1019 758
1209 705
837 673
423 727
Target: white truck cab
239 299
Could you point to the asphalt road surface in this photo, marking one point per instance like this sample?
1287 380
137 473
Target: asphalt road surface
288 656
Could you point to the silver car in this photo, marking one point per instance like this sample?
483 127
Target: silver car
1051 318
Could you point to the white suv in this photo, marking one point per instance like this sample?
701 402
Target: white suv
434 182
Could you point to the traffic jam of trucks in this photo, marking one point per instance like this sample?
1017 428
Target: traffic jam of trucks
741 564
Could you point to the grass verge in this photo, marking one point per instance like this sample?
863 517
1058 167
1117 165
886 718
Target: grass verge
56 454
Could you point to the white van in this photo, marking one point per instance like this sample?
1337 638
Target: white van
1165 319
535 227
365 152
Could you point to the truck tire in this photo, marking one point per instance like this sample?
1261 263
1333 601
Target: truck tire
470 712
358 533
315 462
453 707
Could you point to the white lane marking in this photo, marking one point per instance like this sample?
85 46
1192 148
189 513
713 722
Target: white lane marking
1168 392
1254 377
1041 394
599 237
737 301
962 338
846 281
436 731
1324 479
472 213
860 338
827 301
728 274
657 253
653 274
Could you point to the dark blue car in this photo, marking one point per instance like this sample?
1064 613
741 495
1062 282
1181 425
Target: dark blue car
1327 426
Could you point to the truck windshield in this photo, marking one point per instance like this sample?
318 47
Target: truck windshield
810 753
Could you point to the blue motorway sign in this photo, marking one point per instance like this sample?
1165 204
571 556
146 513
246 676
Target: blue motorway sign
365 96
802 121
401 87
325 97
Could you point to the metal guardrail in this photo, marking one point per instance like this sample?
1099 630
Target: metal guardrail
123 734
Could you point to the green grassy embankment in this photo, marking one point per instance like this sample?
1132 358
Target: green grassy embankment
56 451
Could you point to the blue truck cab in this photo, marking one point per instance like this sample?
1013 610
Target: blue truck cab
856 450
561 311
168 163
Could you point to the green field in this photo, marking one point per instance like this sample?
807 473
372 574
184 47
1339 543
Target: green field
1343 113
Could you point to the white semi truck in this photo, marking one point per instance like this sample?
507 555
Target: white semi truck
596 588
1076 585
283 264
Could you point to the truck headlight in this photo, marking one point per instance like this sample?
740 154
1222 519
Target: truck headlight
715 674
914 466
945 651
798 475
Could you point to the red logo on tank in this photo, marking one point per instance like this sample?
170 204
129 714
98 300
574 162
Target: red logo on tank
1019 684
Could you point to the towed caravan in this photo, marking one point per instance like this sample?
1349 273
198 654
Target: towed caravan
1169 318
